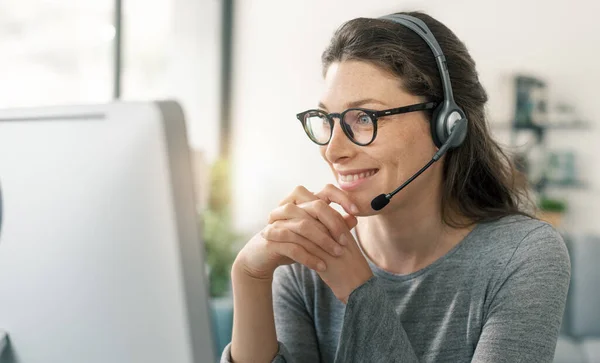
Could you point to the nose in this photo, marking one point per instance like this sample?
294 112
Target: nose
339 145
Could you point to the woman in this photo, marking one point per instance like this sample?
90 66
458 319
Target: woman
451 270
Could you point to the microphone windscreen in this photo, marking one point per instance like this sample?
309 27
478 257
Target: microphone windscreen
379 202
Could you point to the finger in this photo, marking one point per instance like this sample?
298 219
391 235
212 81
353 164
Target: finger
299 254
285 211
331 218
279 232
350 220
300 231
332 194
292 211
299 195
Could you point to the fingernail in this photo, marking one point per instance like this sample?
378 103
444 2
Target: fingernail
337 250
343 240
321 266
354 208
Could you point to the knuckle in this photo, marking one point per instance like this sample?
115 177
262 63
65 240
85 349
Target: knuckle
288 208
304 224
320 204
322 228
313 263
267 232
267 228
279 234
329 187
271 229
299 189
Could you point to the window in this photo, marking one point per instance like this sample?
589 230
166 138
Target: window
171 50
55 52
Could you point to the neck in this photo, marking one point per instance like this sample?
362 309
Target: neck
407 239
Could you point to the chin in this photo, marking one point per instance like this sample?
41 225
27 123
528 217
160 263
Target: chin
362 188
363 199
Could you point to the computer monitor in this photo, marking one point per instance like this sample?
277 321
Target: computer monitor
101 258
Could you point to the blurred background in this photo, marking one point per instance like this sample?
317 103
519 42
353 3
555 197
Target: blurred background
243 69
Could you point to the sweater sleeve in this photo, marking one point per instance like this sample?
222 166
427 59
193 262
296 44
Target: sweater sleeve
279 358
372 331
526 305
294 325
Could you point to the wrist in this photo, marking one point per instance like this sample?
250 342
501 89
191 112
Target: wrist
355 285
240 273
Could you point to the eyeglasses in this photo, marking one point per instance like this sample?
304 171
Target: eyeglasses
359 124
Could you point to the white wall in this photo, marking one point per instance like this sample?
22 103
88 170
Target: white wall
277 74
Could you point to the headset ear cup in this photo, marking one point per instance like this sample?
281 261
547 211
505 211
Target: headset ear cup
463 134
433 123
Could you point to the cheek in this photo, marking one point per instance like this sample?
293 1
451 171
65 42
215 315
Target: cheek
417 137
402 138
408 145
322 150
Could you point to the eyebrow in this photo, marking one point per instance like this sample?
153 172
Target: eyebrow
357 103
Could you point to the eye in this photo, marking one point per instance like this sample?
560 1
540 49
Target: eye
364 119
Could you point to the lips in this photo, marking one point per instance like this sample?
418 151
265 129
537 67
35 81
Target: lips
352 179
354 176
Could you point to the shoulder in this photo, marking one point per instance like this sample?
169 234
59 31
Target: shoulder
519 238
521 251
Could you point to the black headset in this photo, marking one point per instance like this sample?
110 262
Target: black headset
447 113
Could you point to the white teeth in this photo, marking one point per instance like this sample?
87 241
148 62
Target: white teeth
355 177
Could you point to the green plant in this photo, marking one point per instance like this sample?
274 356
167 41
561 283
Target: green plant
218 232
552 205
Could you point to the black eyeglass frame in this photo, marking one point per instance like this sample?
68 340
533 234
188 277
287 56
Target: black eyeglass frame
374 115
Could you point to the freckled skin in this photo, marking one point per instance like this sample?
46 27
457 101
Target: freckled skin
403 144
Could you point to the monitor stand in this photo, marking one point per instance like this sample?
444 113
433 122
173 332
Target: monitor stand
3 341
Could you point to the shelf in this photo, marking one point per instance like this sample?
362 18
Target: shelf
558 126
540 128
566 184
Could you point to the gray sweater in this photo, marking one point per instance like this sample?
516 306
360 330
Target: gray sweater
498 296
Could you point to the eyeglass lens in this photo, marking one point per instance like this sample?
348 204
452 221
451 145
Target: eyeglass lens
358 126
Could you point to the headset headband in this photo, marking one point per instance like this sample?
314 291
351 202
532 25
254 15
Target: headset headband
419 27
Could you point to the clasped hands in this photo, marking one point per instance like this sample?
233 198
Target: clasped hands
307 230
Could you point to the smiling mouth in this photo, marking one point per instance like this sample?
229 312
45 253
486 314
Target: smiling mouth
348 178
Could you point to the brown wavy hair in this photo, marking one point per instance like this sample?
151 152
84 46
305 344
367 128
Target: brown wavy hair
480 181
